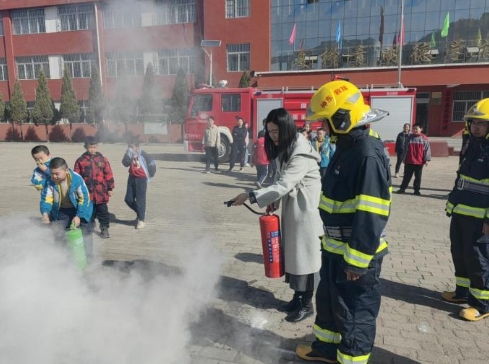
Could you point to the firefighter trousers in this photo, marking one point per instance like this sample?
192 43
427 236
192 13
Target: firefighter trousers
345 323
471 261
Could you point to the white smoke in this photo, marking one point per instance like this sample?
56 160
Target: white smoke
52 313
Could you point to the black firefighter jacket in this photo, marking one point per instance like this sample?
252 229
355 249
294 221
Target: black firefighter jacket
470 195
356 198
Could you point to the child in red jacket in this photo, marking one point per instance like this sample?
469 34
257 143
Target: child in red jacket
97 174
418 154
260 159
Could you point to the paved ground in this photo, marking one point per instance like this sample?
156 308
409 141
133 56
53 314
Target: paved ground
185 210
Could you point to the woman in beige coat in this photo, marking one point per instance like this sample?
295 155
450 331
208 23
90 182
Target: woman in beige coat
297 188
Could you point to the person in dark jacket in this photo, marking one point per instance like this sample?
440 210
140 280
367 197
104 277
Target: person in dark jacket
238 149
468 206
401 146
96 172
354 208
418 155
142 168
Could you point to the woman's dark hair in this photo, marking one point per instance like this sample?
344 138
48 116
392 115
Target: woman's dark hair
287 135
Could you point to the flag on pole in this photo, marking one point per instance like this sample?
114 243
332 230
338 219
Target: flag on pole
394 40
292 35
338 32
381 30
478 38
433 41
446 25
400 35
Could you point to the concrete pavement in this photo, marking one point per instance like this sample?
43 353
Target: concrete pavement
241 325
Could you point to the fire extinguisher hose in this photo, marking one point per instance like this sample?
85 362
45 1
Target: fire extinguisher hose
230 202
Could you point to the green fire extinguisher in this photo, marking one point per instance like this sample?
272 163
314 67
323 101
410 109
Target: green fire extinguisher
74 239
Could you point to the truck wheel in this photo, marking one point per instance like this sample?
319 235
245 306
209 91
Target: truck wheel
224 150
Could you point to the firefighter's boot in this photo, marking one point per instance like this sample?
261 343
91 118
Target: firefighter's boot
472 314
453 297
306 352
292 305
304 310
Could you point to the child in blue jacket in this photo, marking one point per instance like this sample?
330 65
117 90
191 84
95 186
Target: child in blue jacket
322 145
41 155
65 200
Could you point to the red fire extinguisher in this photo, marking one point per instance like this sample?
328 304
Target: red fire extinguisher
273 259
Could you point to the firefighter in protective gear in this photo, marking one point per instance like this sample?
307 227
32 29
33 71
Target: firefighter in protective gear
354 207
468 206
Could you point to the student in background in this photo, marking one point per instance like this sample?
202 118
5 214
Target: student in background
418 155
260 159
142 168
96 172
42 157
322 145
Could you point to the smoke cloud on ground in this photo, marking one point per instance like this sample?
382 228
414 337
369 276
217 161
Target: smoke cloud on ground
53 313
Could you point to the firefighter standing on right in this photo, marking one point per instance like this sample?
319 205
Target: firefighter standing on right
355 206
468 205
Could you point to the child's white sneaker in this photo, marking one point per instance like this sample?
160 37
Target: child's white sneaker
140 224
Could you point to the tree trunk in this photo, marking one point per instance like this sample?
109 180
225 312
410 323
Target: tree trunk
47 132
21 132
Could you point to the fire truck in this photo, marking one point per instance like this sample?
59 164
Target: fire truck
254 104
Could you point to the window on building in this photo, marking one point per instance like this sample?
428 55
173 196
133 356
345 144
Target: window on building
238 57
79 64
76 17
127 16
174 12
1 27
28 68
463 100
125 63
3 70
231 102
170 60
28 21
237 8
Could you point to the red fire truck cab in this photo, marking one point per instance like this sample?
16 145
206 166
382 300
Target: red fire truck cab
253 105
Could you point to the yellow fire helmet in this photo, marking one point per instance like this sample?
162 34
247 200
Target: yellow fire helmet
341 104
479 111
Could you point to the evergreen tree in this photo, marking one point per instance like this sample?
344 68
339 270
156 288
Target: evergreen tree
43 107
18 107
123 104
150 102
2 108
96 98
245 80
179 100
69 108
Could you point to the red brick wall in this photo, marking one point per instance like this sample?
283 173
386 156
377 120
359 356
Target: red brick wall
116 132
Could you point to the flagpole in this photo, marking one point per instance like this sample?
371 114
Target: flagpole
400 44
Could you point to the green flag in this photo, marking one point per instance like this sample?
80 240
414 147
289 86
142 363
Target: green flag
433 41
446 25
478 38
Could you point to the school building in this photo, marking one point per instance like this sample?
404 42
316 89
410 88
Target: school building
441 48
